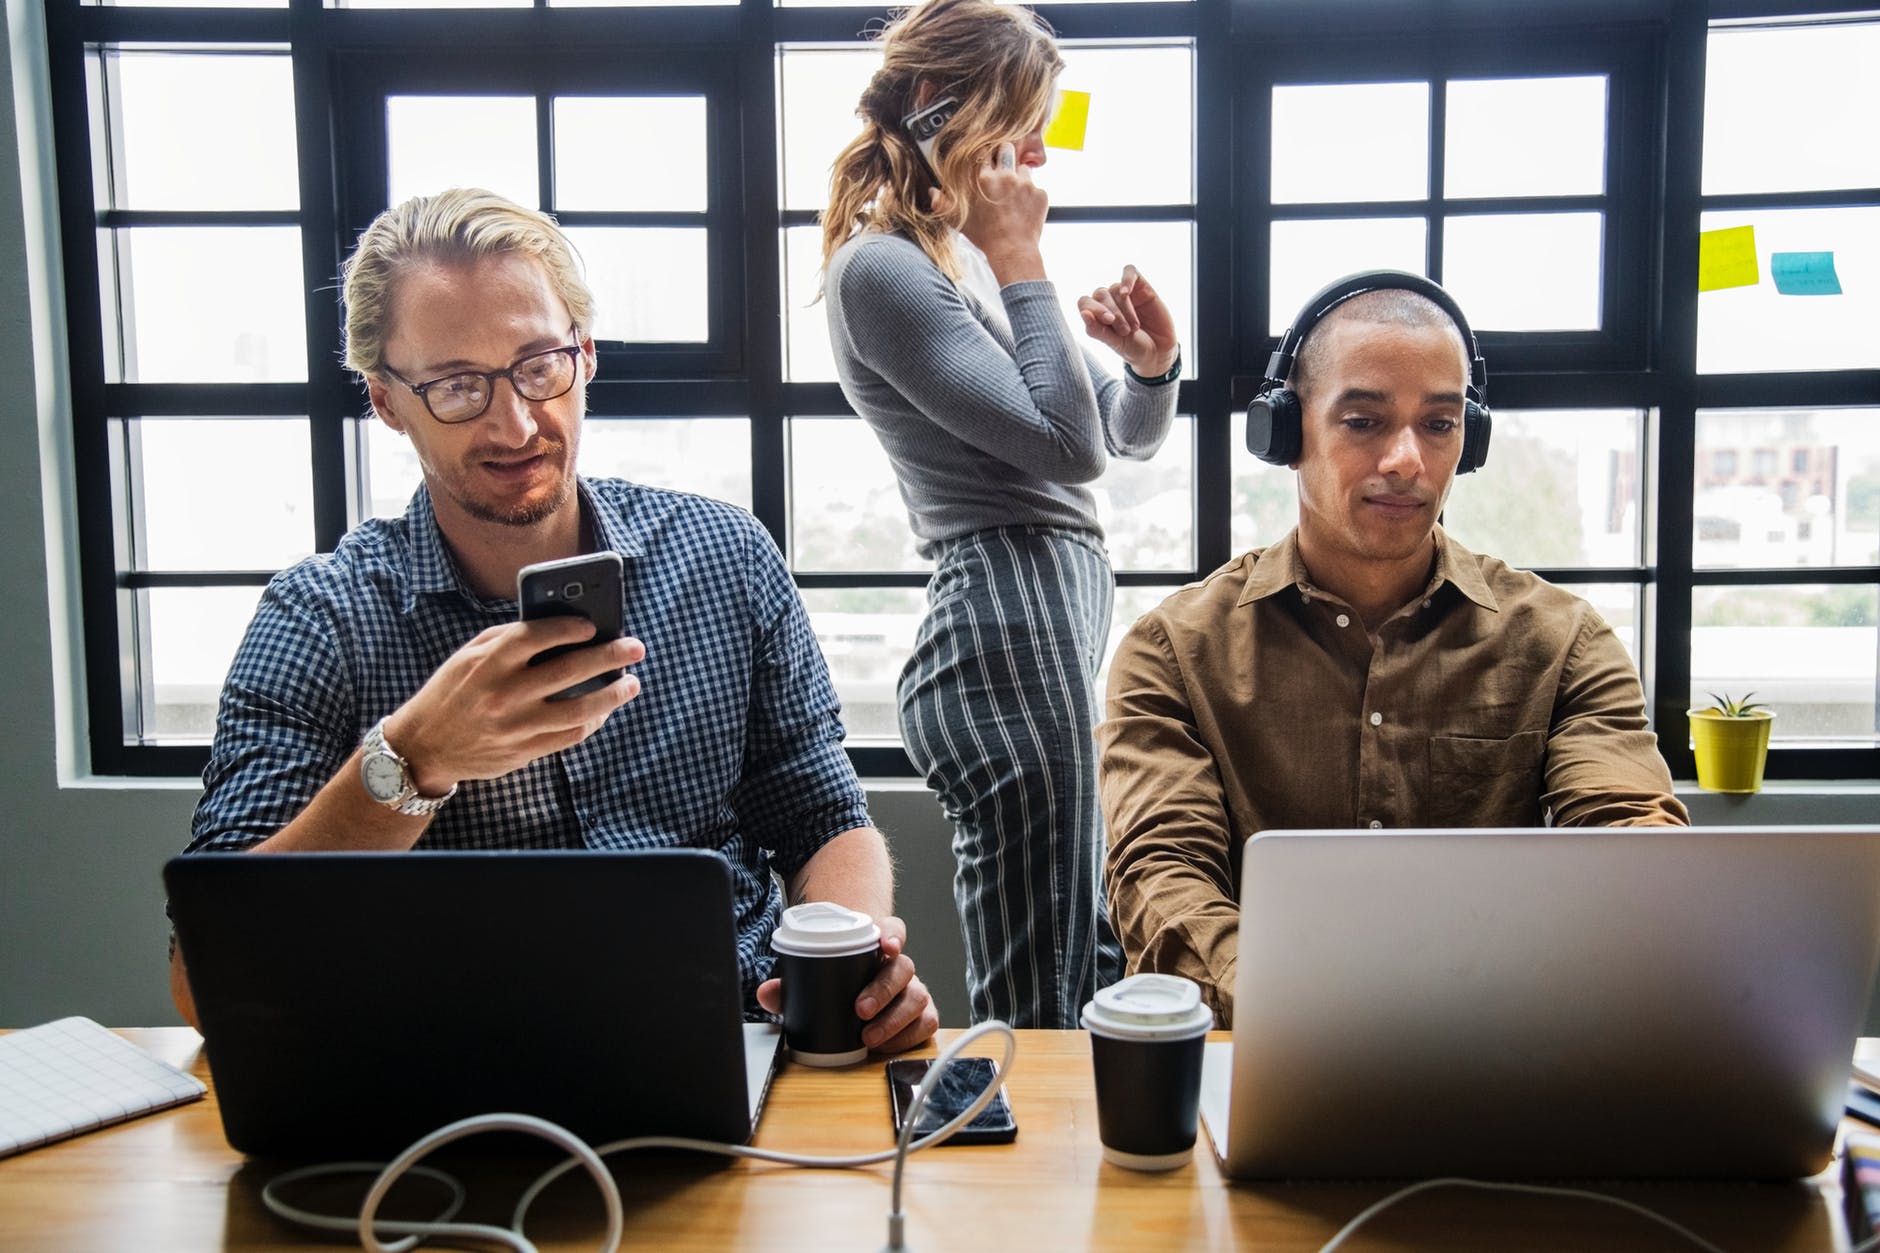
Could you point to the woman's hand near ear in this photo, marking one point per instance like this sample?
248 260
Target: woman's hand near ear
1006 217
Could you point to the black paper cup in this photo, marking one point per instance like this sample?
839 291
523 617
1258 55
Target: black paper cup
1146 1038
826 955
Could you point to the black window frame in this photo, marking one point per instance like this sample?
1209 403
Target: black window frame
345 61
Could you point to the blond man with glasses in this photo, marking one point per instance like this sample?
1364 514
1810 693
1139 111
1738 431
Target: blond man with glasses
384 697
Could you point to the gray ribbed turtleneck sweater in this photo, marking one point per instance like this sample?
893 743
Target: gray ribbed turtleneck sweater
991 414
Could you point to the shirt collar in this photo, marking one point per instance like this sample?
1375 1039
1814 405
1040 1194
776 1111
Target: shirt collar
434 569
615 530
1277 569
1461 569
1280 568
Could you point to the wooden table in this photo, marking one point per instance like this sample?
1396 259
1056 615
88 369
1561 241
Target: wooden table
170 1182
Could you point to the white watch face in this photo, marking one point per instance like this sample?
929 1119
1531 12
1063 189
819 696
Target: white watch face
384 779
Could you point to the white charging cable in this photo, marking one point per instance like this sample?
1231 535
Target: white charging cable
370 1227
1345 1232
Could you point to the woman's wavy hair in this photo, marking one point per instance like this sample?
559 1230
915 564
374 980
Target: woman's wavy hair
1000 62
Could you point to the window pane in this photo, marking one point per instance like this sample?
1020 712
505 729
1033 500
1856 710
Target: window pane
1787 487
1525 271
1620 605
245 520
708 456
1525 137
867 635
1130 604
1758 327
427 4
807 357
391 471
1147 508
1805 651
1351 141
164 104
1264 498
634 4
193 635
434 143
651 284
1309 254
196 4
817 92
846 511
1081 255
206 304
1560 488
620 153
1783 108
1131 154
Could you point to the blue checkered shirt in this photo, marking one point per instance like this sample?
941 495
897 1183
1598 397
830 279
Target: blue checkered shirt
734 743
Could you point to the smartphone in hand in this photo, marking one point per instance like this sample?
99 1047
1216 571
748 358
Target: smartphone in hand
959 1087
588 586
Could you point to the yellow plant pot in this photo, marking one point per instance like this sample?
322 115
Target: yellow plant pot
1730 751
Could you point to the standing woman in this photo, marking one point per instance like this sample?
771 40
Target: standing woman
950 343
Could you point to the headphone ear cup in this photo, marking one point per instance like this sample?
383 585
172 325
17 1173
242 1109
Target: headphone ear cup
1477 426
1274 432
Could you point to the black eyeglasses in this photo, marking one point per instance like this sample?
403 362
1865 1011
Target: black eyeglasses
465 395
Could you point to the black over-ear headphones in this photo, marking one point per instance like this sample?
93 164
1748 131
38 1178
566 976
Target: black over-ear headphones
1274 431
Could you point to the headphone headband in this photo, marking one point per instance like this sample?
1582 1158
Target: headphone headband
1275 419
1279 366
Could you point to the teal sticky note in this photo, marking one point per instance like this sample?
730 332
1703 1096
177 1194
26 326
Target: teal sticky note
1804 273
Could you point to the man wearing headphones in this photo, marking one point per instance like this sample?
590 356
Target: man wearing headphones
1366 671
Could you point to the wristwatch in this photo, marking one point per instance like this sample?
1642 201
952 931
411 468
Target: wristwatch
388 778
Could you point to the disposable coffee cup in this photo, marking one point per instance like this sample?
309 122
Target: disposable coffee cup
1146 1037
826 954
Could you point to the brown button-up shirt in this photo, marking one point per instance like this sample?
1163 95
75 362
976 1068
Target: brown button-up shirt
1253 700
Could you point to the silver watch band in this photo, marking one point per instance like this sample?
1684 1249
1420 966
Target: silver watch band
407 801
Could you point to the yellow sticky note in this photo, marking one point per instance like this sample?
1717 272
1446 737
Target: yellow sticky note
1068 121
1727 258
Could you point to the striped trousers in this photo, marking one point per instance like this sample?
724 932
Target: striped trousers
997 708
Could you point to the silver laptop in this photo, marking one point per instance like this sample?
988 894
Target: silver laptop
352 1002
1567 1003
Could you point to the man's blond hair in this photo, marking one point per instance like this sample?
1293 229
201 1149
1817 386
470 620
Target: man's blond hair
460 225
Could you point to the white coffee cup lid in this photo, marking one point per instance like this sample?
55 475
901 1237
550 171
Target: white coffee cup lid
824 929
1149 1007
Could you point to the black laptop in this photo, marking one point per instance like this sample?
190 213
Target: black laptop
352 1002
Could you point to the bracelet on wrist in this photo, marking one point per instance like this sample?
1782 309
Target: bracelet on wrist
1156 380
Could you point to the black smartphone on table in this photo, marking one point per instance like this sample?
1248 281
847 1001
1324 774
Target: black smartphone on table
959 1087
589 586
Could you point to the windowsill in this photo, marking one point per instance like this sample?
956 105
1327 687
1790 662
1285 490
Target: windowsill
1785 802
130 783
1786 787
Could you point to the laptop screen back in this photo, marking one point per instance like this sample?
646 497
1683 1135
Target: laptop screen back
1645 1003
352 1002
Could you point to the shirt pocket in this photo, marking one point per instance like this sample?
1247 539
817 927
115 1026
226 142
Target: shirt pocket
1476 782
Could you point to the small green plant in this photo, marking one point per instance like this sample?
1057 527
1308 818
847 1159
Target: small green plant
1727 706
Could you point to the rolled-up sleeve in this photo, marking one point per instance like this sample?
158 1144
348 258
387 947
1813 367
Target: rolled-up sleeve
797 790
1603 766
284 726
1170 867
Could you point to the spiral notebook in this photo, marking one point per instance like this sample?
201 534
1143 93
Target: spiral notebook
71 1076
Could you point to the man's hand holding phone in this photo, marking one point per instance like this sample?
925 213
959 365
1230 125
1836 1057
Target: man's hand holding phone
490 709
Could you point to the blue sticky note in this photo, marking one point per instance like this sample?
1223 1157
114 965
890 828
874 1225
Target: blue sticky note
1804 273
